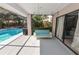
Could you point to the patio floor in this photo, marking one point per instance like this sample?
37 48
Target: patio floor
26 45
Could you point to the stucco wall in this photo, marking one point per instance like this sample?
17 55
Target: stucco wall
65 10
69 8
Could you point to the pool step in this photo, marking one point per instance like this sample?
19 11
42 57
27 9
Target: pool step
4 37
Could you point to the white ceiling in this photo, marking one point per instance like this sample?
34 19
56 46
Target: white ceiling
12 9
34 8
42 8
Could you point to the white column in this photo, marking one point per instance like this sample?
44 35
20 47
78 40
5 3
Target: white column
29 24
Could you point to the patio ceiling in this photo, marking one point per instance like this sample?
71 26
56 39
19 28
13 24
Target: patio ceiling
42 8
11 9
35 8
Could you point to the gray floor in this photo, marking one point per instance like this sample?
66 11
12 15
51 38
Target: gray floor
35 46
53 47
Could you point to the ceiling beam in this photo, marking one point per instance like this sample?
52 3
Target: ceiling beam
12 9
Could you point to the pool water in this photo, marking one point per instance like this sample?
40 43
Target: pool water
7 33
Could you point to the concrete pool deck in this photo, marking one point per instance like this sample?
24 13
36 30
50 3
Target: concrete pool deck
30 45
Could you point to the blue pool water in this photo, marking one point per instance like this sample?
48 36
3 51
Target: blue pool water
7 33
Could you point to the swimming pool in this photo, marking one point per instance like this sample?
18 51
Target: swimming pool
5 34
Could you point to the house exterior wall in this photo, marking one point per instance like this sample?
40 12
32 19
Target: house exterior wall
70 8
67 9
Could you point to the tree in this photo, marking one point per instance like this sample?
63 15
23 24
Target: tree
37 21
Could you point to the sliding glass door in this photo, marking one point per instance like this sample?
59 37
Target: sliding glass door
69 27
67 30
60 23
75 43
